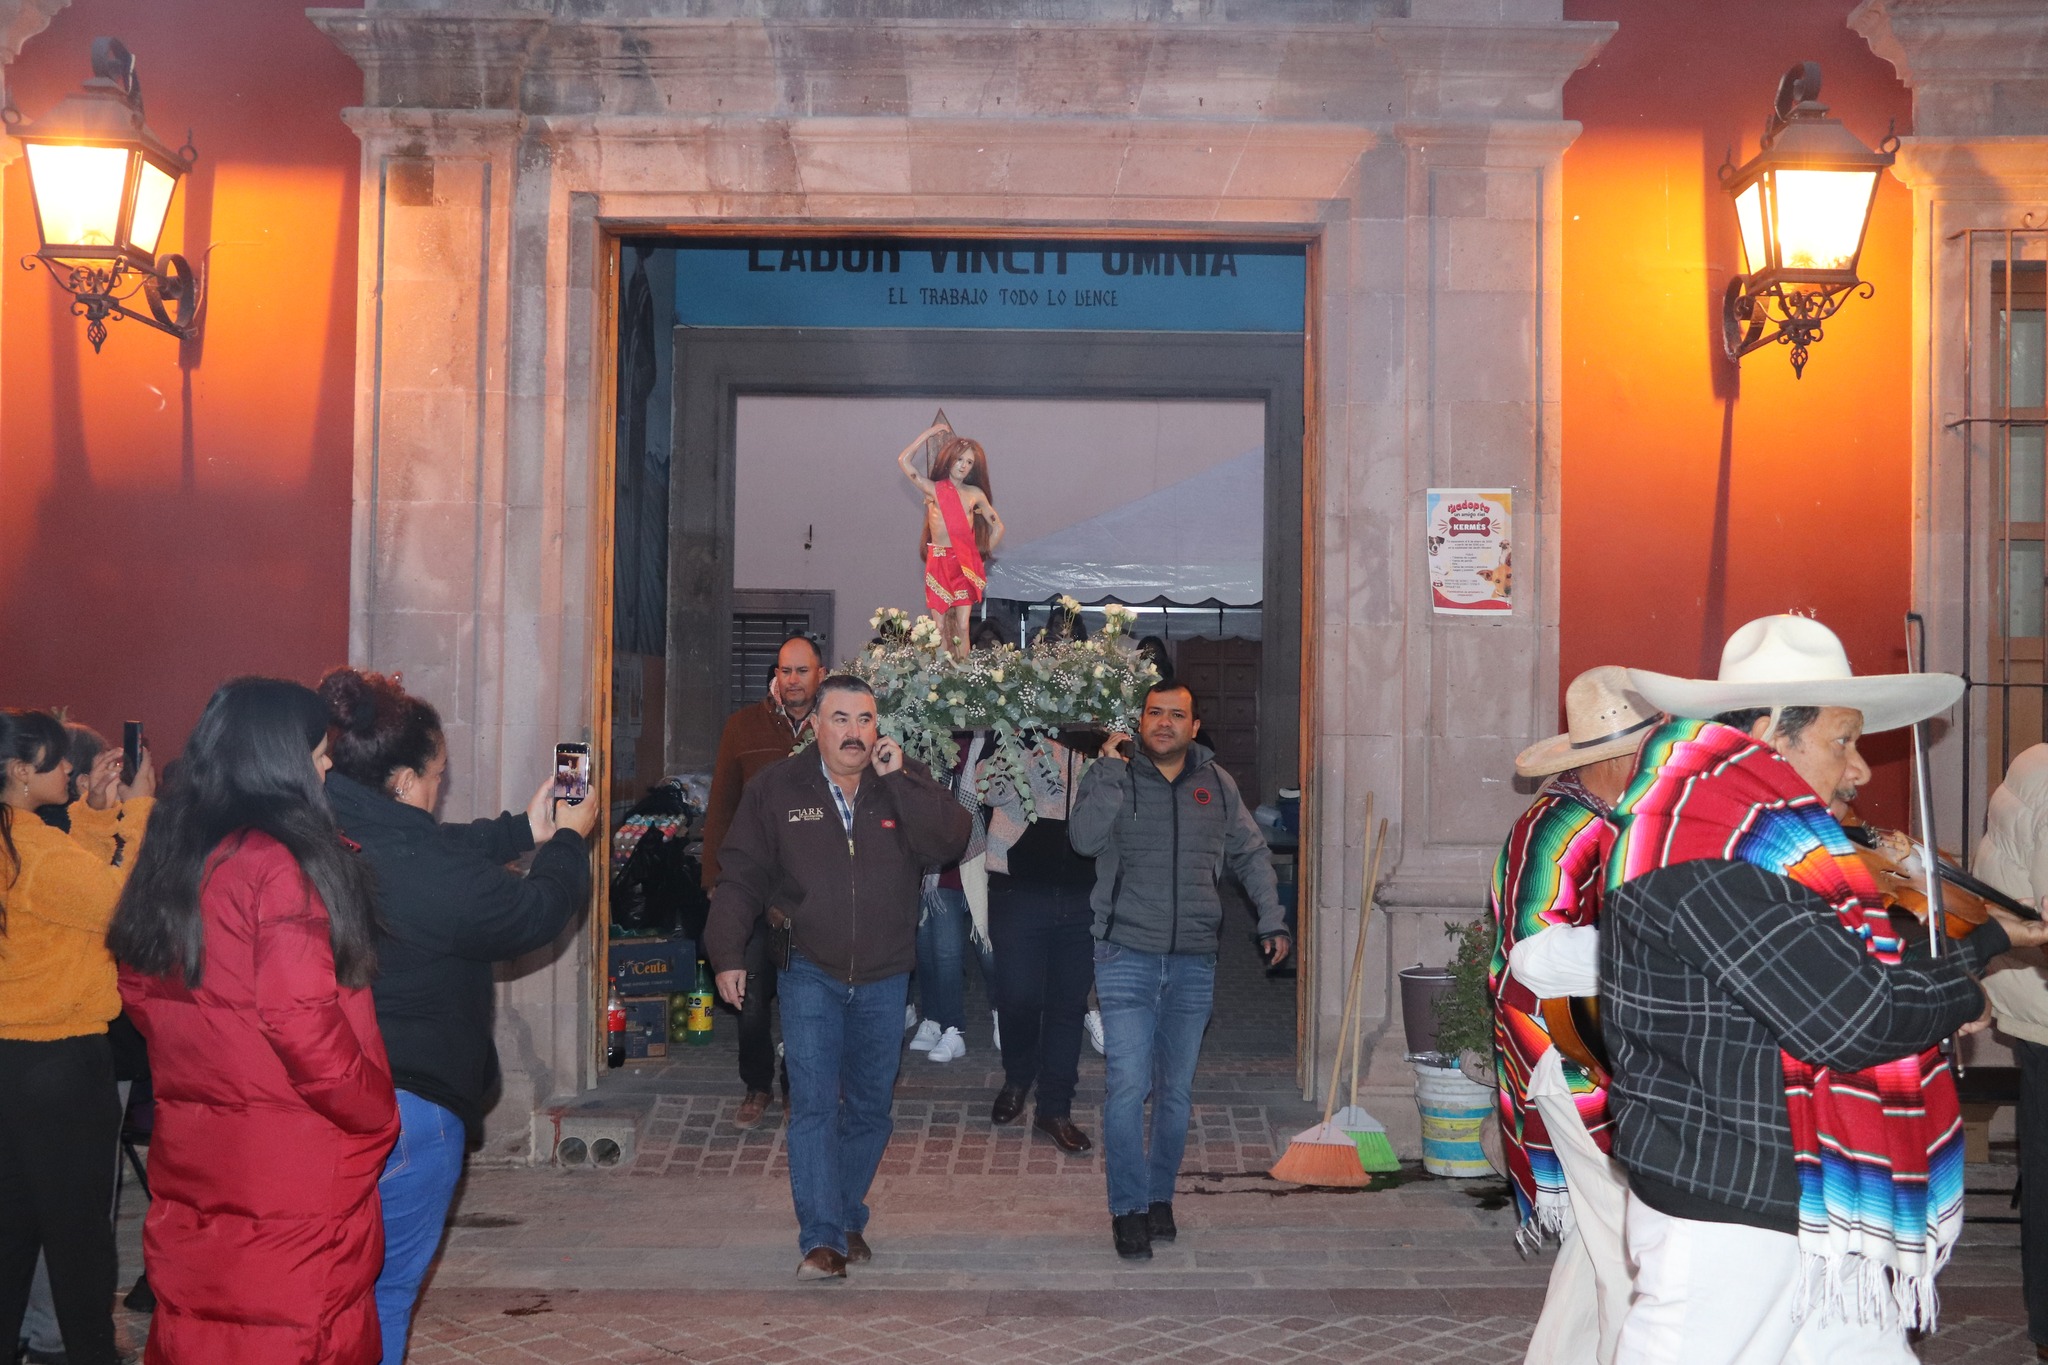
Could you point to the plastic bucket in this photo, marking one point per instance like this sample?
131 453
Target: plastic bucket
1453 1112
1420 987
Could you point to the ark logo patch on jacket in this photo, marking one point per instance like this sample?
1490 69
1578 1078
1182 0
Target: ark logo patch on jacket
806 813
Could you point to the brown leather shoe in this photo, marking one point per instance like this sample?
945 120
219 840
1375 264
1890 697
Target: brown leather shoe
1063 1133
1009 1104
752 1108
857 1249
821 1263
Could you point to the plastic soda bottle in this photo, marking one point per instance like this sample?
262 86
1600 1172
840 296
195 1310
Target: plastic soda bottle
614 1028
697 1024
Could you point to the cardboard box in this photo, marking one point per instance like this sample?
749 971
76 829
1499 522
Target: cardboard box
654 966
646 1027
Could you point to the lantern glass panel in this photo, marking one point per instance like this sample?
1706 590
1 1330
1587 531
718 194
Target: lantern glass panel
152 204
1820 217
1749 215
78 192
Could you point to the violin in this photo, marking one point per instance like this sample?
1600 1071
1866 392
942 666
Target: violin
1966 901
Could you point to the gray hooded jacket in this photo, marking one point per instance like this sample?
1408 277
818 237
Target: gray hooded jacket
1160 849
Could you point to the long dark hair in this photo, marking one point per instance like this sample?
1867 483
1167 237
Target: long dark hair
960 448
377 727
247 767
36 738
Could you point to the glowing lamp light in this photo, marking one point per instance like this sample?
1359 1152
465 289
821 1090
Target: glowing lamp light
102 183
1802 206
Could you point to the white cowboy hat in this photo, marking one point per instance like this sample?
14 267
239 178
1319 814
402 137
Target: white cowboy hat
1604 719
1796 661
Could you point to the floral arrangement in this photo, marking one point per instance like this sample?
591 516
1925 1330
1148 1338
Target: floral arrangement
926 696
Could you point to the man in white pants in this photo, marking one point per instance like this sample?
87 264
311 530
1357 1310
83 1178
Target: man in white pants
1553 1110
1767 1024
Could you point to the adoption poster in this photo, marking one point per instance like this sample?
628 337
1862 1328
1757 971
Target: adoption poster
1469 566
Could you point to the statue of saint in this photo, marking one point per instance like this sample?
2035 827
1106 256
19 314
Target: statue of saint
960 527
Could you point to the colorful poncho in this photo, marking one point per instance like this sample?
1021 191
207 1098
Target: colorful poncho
1548 874
1879 1151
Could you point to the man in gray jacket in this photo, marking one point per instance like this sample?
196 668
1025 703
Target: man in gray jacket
1161 825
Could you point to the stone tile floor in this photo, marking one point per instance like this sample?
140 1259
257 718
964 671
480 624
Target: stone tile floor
991 1246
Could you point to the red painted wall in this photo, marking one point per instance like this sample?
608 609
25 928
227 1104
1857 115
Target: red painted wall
165 521
1698 495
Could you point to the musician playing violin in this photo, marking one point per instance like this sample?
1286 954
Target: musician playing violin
1553 1109
1789 1128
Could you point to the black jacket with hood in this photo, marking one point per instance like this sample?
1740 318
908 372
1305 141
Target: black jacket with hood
450 909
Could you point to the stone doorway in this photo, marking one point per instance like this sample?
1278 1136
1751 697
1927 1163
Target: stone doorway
508 152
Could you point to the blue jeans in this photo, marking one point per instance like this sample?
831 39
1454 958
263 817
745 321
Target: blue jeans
842 1045
1154 1008
942 936
416 1188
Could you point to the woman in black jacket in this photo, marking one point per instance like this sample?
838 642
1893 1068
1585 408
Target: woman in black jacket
450 908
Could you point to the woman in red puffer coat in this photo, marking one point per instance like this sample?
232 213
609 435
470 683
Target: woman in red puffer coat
246 941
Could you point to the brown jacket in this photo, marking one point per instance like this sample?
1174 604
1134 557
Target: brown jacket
754 737
852 899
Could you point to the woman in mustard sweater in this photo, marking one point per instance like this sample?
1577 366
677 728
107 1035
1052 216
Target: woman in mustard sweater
59 1119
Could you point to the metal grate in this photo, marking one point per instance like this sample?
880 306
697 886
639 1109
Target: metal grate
757 638
2005 420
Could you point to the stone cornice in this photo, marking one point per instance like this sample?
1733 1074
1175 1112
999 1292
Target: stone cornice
1259 70
1995 169
435 60
1975 67
21 20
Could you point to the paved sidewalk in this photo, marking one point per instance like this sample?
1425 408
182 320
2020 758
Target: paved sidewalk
991 1246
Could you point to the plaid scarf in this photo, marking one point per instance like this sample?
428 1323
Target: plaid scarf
1548 874
1879 1151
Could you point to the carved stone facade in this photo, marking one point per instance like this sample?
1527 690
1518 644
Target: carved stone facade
1977 164
1416 145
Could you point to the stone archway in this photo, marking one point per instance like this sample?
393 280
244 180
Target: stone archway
1417 141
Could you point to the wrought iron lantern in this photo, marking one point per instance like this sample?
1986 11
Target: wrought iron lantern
102 184
1802 204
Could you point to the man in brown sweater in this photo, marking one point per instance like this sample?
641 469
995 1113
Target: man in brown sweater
831 846
756 736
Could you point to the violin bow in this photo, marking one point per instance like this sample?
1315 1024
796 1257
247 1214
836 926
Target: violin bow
1923 801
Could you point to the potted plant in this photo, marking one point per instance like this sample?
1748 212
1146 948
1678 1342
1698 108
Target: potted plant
1456 1100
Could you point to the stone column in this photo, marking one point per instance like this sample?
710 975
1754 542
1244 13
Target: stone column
1977 163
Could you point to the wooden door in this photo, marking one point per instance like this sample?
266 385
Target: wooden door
1224 677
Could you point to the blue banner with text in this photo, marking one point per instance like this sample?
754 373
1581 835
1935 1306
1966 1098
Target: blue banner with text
1029 283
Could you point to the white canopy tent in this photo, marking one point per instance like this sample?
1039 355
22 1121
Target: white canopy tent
1197 542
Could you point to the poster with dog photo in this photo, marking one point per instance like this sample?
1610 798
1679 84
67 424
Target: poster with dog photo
1470 568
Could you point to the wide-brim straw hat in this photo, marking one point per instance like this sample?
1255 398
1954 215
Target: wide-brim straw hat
1604 718
1778 661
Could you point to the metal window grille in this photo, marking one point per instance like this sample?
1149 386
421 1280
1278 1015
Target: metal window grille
2004 421
757 638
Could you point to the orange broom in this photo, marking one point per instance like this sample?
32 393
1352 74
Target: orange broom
1326 1154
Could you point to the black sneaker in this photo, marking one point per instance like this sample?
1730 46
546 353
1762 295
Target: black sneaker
1160 1215
1133 1235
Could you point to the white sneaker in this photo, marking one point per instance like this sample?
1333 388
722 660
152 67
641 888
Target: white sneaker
909 1018
996 1028
1092 1022
927 1036
949 1047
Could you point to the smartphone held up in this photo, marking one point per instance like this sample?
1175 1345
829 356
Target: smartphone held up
131 750
572 772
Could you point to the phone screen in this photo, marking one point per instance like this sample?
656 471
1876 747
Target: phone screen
572 772
131 749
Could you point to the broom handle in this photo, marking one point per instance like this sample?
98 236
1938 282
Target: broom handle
1372 881
1350 996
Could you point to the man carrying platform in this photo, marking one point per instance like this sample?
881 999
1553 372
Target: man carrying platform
1789 1128
1554 1124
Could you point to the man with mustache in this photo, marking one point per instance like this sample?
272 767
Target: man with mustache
830 848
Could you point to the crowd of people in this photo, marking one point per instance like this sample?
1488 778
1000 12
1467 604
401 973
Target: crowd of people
1751 1153
305 953
1756 1155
